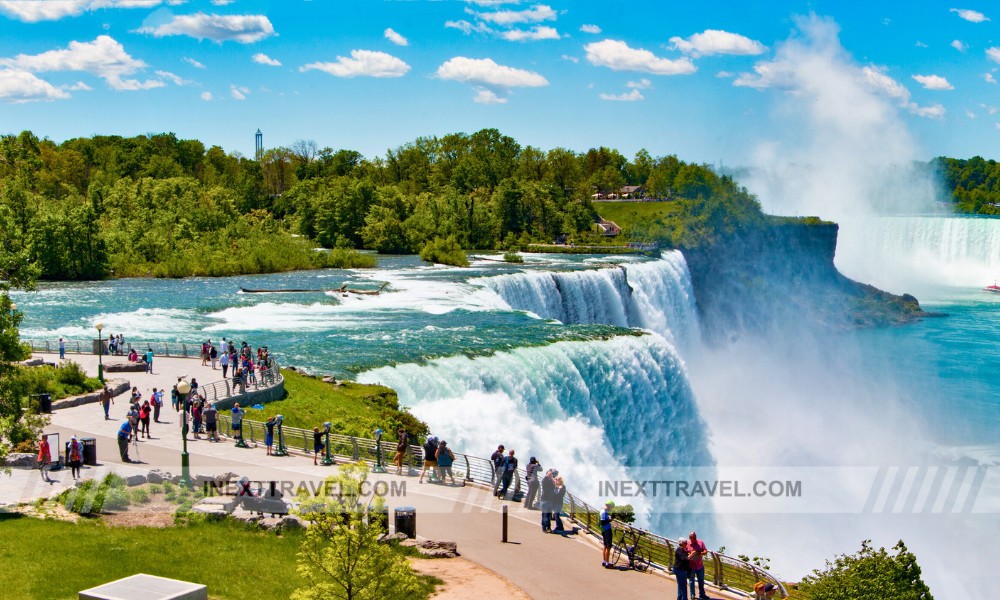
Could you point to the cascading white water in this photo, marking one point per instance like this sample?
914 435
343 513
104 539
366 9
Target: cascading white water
591 409
898 253
655 295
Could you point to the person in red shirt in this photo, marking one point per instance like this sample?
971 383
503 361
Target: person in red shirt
44 457
697 565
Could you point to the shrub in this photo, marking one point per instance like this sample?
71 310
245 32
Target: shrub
512 257
445 251
139 496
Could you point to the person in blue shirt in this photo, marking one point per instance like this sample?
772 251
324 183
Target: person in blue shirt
124 435
149 361
606 532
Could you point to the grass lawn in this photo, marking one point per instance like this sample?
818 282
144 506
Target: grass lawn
57 559
352 408
626 214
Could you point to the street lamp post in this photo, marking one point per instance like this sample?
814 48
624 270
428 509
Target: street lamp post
183 389
100 353
378 452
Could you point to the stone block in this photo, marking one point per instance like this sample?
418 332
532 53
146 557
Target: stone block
134 480
22 460
158 476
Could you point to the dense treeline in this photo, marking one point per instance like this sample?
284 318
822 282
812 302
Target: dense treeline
974 184
156 205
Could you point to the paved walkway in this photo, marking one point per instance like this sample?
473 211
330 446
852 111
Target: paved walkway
543 565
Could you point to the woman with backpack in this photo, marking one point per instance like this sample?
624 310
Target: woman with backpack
75 456
144 411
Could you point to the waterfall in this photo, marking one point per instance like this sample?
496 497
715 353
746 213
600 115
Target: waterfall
655 295
898 253
591 409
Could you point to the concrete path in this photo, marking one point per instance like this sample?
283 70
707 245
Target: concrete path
543 565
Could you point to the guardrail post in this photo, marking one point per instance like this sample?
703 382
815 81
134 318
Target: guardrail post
572 508
354 443
305 443
517 484
184 350
468 469
717 567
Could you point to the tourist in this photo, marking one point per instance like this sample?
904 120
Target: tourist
112 343
682 558
497 459
157 404
509 468
531 477
106 401
401 447
547 497
149 360
430 457
269 434
136 397
696 566
44 457
607 533
133 419
764 591
317 444
558 496
445 458
124 435
236 416
224 361
196 417
133 356
211 423
75 456
204 353
213 355
144 411
62 349
175 396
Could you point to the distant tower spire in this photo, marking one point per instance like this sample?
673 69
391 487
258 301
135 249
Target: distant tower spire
259 145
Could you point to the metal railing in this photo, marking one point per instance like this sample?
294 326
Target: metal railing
175 349
722 570
227 388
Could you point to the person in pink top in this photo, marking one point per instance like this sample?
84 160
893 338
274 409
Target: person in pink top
697 565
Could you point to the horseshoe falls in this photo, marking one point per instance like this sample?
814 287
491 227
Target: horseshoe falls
918 253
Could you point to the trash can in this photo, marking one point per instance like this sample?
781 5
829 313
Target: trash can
89 451
406 521
44 403
379 517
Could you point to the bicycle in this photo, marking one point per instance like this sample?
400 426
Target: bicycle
637 558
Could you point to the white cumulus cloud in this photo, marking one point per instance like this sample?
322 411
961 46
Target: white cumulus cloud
590 29
262 59
633 96
467 27
973 16
618 56
485 71
362 63
535 14
642 84
716 41
993 53
539 32
18 86
395 38
104 57
194 63
33 11
959 45
175 79
238 92
933 82
206 96
244 29
988 78
485 96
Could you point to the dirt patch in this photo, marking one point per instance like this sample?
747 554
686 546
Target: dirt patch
465 579
155 513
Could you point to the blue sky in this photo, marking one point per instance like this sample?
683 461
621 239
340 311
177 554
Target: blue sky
709 81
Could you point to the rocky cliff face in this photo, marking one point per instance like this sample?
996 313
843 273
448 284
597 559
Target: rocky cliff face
762 279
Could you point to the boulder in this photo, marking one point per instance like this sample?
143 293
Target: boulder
329 379
125 367
434 549
158 476
291 522
134 480
398 538
22 460
211 511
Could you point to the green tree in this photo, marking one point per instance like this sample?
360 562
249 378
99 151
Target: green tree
16 271
341 556
869 575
